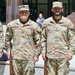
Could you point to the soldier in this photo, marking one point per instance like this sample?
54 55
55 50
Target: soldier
3 56
57 41
1 40
25 50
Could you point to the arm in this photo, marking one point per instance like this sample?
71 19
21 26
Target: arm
37 39
71 38
8 38
1 40
43 42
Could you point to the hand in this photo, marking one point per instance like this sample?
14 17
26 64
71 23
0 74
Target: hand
1 53
35 59
69 57
8 55
44 56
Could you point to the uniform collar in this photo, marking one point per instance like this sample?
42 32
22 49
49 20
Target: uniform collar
60 22
26 24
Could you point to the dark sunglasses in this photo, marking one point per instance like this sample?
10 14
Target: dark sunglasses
22 12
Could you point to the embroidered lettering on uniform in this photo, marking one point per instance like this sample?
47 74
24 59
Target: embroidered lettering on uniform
51 22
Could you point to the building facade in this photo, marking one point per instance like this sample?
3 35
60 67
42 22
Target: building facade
9 8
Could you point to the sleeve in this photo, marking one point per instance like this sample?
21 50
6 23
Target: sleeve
43 39
71 34
8 37
37 40
0 23
1 37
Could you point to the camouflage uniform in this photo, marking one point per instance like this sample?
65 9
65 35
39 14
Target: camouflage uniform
26 40
1 37
2 67
58 41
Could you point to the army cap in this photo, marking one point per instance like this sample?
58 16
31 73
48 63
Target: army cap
57 4
23 7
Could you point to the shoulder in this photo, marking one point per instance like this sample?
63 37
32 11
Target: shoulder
34 25
1 26
43 19
0 23
68 22
48 20
11 24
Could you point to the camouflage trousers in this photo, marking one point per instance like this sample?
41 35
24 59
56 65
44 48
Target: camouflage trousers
23 67
58 66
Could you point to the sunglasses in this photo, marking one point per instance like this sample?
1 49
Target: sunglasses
23 12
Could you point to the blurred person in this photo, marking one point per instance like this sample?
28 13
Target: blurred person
40 19
25 50
3 56
57 41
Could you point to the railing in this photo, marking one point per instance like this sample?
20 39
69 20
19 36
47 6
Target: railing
4 67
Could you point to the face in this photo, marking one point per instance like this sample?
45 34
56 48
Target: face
24 15
40 15
57 11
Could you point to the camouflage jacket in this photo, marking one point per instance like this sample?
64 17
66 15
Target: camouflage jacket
1 37
58 39
26 39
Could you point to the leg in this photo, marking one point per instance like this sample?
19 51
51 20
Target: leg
17 67
29 69
63 66
23 67
52 66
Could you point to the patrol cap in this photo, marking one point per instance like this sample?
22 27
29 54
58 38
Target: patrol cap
57 4
23 7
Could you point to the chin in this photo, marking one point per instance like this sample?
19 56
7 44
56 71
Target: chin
24 17
23 20
57 14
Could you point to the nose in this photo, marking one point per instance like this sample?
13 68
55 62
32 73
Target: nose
23 12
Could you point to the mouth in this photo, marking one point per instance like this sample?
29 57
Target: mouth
23 16
57 14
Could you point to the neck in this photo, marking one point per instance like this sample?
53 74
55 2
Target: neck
23 22
57 18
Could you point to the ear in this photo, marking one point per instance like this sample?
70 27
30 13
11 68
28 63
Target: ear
29 13
62 9
52 9
18 13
